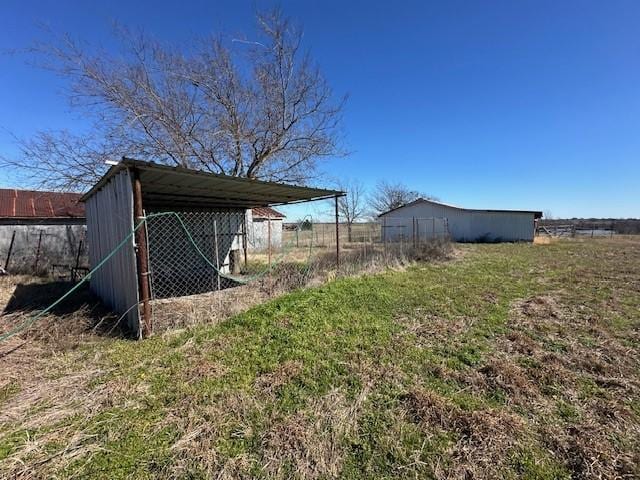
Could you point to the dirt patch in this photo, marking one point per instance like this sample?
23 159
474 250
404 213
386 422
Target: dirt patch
270 383
199 369
560 374
483 437
308 444
541 307
433 329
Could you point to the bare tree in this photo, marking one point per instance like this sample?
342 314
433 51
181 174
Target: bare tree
60 160
253 107
387 196
351 207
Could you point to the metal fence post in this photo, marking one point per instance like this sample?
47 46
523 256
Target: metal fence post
244 238
215 239
337 236
74 272
269 238
413 231
6 262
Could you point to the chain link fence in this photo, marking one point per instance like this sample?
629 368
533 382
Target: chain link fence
206 265
194 252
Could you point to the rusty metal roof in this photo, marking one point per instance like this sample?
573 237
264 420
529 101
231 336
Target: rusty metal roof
266 212
20 204
179 186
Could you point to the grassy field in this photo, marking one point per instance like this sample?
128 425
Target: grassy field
508 361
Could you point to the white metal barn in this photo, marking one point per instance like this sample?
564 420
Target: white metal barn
189 215
463 224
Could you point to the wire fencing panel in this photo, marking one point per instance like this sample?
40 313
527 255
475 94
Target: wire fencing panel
395 230
188 251
414 229
196 257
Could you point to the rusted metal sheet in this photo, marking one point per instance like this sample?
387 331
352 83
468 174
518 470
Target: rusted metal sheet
266 212
109 221
35 204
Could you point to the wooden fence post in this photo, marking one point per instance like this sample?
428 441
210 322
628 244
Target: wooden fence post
141 254
35 265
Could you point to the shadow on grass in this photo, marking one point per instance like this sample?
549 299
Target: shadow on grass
79 314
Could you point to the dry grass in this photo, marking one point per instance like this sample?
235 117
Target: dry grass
516 361
307 444
205 308
544 368
300 268
480 436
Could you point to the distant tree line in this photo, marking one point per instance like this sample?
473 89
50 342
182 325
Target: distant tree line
622 226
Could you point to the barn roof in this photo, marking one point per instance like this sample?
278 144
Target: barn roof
535 213
31 204
266 212
179 186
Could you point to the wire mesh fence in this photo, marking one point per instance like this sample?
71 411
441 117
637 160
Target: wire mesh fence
205 265
401 230
194 252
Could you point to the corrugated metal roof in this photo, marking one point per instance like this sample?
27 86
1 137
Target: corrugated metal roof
266 212
537 214
178 186
36 204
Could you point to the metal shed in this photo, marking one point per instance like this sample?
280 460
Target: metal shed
264 228
212 204
464 224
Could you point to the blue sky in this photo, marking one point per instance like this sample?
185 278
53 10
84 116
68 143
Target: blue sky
493 104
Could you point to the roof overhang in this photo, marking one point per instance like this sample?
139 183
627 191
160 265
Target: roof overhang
184 187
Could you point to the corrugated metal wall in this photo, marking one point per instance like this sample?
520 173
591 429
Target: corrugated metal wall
109 220
470 226
395 229
59 246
